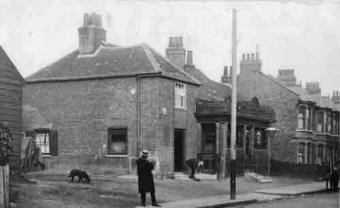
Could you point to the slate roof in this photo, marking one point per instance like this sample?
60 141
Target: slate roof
209 89
321 101
111 60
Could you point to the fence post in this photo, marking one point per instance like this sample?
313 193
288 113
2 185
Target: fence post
4 186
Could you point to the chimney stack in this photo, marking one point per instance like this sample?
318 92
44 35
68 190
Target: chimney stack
91 34
250 63
313 88
175 51
189 58
336 97
287 77
227 77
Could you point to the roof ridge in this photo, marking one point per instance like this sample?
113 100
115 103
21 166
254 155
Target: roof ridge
16 71
173 65
151 58
278 82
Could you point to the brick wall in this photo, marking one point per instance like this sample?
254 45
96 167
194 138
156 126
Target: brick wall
83 111
283 101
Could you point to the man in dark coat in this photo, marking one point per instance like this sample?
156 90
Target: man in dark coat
334 179
145 178
193 164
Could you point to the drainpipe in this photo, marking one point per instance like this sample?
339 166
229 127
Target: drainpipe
138 116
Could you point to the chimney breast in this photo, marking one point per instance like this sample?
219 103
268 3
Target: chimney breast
91 34
313 88
336 97
287 77
175 51
189 58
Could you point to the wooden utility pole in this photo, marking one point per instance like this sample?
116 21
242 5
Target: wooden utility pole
233 109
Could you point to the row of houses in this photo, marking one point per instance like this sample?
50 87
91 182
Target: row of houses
98 106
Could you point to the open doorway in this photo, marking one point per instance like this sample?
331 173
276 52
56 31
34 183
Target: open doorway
179 142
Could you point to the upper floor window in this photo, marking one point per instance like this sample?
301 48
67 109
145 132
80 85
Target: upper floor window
320 122
330 123
117 141
302 117
336 124
180 95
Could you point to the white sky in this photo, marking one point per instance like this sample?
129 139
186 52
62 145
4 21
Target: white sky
302 36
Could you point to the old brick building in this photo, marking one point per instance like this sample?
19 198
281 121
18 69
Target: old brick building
98 106
101 104
308 122
11 85
213 113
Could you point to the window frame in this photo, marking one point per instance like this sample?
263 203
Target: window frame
180 95
302 116
110 131
264 143
48 132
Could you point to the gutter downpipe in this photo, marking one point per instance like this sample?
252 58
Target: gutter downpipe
138 116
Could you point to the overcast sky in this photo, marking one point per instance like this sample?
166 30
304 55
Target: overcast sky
301 36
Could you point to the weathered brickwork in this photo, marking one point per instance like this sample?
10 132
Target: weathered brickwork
82 112
253 83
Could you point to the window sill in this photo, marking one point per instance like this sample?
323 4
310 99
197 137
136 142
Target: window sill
319 133
112 156
47 156
179 108
305 130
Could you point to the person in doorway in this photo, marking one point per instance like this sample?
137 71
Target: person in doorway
145 178
194 164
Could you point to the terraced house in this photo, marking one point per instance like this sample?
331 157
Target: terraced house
308 122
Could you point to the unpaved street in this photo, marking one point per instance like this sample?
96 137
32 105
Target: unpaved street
56 190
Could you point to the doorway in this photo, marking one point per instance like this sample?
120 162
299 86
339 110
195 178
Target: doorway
179 141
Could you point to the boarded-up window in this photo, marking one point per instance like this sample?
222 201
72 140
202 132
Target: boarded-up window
117 140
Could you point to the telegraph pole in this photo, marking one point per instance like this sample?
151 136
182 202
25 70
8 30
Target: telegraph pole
233 109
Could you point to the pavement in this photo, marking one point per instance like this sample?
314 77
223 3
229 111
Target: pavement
247 198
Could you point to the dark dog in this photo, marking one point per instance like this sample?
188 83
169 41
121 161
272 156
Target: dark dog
82 175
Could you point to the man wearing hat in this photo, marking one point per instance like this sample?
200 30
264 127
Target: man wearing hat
145 178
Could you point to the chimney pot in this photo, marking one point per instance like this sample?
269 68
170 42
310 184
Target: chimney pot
243 57
189 58
252 56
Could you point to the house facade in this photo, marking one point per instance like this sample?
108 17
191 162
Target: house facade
308 123
11 92
100 105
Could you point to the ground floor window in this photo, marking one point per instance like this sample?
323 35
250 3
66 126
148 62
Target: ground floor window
43 141
117 140
46 140
319 158
260 140
301 153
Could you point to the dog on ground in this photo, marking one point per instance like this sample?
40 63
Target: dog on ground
82 175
